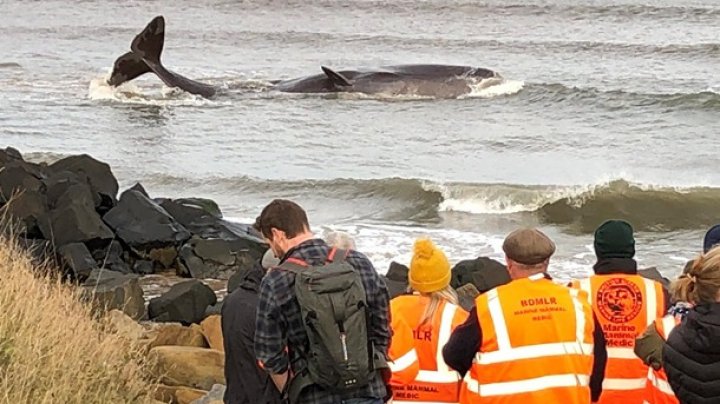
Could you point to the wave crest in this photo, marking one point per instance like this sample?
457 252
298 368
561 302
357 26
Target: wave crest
581 207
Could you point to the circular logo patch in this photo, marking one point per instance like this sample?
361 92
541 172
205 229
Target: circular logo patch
619 300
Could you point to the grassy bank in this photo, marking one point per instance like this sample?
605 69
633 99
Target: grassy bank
52 350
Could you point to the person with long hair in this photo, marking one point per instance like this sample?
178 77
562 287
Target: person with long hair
422 323
691 356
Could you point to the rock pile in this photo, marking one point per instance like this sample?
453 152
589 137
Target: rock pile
184 358
69 211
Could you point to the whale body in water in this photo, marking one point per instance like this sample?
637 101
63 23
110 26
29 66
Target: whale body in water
430 80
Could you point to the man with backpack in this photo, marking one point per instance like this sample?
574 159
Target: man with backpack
322 330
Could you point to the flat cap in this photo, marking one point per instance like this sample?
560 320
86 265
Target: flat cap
528 246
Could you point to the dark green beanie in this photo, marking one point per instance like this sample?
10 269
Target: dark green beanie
614 239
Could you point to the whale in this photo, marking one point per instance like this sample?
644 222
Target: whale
424 80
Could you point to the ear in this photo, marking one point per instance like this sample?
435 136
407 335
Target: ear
510 264
276 234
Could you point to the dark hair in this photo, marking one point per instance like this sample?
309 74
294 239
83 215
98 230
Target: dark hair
283 215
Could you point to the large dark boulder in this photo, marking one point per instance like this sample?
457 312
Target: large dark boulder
139 188
396 288
77 259
218 258
143 225
652 273
185 302
112 257
203 219
214 309
24 212
8 155
75 223
17 177
398 272
109 290
206 205
142 267
483 272
66 188
96 173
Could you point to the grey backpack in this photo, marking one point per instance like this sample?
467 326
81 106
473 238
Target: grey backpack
334 312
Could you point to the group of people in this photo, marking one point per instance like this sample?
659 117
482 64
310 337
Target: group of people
313 323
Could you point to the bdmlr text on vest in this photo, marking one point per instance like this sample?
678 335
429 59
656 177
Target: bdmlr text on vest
537 301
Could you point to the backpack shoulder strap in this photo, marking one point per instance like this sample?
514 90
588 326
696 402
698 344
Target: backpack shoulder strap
335 253
293 265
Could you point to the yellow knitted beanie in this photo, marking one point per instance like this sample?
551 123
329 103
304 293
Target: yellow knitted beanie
429 268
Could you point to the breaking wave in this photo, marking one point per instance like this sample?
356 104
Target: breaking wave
580 208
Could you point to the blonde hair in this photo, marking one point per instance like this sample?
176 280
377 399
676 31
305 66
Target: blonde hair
702 282
447 294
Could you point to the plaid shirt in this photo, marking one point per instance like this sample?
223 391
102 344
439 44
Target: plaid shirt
279 323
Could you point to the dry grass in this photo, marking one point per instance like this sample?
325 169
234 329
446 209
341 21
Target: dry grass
52 349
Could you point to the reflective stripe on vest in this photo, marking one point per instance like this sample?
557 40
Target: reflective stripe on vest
403 362
623 384
526 386
661 385
507 355
668 324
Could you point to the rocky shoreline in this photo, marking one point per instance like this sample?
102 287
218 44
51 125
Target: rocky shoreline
70 212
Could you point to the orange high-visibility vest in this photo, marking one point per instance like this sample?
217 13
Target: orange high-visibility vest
537 345
434 382
624 305
657 387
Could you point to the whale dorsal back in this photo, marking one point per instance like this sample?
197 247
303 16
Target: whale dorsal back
336 78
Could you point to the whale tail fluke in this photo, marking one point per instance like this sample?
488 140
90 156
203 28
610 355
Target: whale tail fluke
149 43
127 67
146 49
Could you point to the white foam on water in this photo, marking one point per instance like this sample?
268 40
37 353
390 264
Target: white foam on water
385 243
497 198
131 93
490 88
678 258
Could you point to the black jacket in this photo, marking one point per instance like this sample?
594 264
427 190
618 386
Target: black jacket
246 382
691 357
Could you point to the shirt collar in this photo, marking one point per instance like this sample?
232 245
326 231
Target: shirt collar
313 242
541 275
